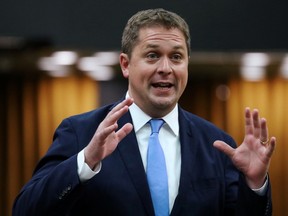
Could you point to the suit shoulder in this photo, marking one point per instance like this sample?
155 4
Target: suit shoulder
197 120
204 126
90 117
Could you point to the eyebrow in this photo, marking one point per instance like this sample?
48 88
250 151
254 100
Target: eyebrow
151 46
177 47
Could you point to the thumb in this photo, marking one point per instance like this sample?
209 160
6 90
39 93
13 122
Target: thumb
224 147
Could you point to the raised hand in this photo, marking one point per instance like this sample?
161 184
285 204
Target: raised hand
253 156
106 138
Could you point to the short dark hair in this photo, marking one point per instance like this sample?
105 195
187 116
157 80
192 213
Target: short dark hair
148 18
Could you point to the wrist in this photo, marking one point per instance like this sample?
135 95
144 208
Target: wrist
256 183
90 161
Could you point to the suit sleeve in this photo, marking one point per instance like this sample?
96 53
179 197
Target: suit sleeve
249 203
55 183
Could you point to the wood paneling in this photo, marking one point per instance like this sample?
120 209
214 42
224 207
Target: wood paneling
31 109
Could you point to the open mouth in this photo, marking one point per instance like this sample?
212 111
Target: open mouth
162 85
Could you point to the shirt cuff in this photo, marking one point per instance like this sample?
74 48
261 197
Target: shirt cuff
262 191
84 171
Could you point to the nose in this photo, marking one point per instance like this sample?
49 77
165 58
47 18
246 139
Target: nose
165 65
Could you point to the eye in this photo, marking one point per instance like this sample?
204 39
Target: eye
176 57
152 56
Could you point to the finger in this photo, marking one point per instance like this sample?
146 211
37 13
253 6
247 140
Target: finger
271 147
256 123
105 132
118 111
126 102
124 131
264 135
224 147
112 118
248 122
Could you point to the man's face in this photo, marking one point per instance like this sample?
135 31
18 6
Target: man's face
157 70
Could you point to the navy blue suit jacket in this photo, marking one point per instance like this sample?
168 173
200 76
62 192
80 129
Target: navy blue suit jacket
209 183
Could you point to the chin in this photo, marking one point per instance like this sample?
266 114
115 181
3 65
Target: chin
164 104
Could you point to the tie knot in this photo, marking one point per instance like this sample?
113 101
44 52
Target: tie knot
156 124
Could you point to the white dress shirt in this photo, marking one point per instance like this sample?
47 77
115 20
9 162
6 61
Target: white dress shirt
169 141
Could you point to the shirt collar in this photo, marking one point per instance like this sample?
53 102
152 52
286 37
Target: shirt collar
140 118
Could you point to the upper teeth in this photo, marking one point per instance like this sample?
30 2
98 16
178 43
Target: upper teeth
162 84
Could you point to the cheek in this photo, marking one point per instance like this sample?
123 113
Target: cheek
183 78
137 79
140 75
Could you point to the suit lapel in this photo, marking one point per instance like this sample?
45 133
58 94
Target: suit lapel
188 157
130 154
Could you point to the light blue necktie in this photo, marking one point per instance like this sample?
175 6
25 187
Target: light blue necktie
156 171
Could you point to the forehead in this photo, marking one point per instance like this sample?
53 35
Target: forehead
160 34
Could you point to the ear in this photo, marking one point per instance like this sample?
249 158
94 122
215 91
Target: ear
124 64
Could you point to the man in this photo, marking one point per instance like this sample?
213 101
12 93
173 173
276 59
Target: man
98 160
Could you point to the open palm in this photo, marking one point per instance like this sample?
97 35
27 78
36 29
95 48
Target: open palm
253 156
